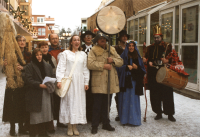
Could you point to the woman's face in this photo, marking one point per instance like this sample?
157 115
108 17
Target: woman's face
45 49
75 42
39 56
131 47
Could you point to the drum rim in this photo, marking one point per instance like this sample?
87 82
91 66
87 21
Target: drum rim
104 31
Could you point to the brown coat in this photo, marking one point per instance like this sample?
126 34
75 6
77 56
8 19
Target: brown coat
97 57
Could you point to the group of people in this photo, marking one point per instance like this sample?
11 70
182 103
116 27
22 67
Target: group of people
36 105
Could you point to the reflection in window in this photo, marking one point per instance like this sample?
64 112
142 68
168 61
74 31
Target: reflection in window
142 29
39 32
130 28
140 48
190 24
176 48
177 25
136 29
167 25
43 31
154 21
189 59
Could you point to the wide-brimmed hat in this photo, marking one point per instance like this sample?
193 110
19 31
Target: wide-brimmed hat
87 33
122 33
100 34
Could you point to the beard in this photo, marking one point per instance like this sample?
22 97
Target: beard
157 42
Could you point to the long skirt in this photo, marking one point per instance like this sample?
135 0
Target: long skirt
129 107
14 105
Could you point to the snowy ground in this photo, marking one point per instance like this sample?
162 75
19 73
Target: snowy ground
187 116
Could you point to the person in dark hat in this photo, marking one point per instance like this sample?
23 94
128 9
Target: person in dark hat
100 63
123 37
160 95
87 39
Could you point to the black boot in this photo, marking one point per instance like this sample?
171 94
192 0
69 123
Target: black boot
22 129
171 118
94 130
108 127
61 125
159 116
12 129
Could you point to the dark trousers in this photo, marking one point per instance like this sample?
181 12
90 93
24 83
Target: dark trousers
56 105
100 109
162 95
89 104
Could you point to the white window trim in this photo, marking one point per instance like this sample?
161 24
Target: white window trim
40 19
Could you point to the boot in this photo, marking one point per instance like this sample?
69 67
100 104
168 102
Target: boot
69 131
76 133
158 116
171 118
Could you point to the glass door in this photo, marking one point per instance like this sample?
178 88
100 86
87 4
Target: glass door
189 41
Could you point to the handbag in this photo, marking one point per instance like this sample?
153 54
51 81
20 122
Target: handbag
65 82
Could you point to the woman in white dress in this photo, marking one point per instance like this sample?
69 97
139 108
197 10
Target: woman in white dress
73 104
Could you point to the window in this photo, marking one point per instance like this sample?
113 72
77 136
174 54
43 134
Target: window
190 24
177 25
130 28
40 19
136 29
41 31
166 26
142 30
25 8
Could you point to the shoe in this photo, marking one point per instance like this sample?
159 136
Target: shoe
12 133
23 131
69 130
159 116
171 118
61 125
108 127
51 131
76 133
117 118
94 130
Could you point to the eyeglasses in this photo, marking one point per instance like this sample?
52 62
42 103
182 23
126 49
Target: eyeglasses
88 36
21 40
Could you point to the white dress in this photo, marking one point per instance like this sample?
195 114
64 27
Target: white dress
73 104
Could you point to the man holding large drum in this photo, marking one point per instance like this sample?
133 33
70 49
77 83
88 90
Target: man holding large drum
159 93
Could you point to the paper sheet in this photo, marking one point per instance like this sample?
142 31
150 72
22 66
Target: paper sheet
49 79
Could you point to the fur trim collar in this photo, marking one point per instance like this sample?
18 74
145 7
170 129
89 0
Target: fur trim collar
99 50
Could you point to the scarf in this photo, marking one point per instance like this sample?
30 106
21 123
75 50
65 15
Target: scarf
40 65
48 58
88 48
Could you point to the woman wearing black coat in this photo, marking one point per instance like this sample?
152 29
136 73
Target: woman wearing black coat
39 96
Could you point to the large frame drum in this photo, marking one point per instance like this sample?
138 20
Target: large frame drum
171 78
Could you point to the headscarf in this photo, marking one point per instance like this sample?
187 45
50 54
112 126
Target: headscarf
122 70
40 65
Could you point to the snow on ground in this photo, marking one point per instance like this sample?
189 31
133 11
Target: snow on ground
187 124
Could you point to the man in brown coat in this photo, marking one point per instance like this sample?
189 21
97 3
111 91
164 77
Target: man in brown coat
100 63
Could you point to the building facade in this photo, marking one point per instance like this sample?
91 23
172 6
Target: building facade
44 26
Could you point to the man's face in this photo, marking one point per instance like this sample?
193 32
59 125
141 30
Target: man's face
124 38
157 39
21 42
101 41
54 39
88 39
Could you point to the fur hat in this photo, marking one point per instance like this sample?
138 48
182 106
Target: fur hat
87 33
100 34
122 33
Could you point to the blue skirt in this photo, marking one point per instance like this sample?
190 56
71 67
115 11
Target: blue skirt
129 107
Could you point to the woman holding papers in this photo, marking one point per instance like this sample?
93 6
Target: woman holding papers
38 97
73 104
